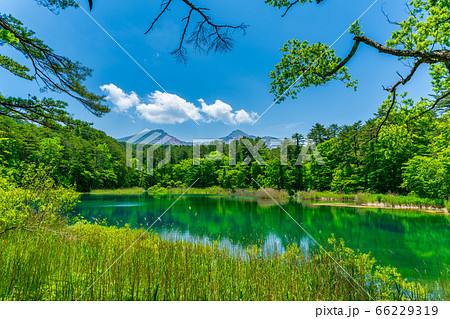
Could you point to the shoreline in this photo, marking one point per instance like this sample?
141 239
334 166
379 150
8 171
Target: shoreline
313 198
385 201
441 211
210 191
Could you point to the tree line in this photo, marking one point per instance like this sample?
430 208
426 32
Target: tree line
405 158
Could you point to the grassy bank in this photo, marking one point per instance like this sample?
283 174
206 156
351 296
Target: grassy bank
215 190
120 191
49 266
381 200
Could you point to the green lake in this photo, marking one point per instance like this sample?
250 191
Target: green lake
418 244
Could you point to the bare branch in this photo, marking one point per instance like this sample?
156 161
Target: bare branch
403 80
180 52
164 6
289 7
387 16
293 4
425 56
207 36
432 107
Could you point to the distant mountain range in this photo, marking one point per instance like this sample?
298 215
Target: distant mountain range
154 137
160 137
238 134
235 135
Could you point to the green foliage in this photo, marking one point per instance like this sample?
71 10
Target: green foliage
355 29
325 196
35 203
405 158
158 269
382 282
46 111
426 26
422 38
14 67
427 176
270 193
214 190
7 37
157 190
120 191
56 73
320 134
57 4
304 65
388 200
84 157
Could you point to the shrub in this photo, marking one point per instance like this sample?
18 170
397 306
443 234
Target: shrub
37 205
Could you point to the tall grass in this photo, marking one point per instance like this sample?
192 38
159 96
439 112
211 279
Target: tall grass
269 193
47 266
216 190
119 191
326 196
391 200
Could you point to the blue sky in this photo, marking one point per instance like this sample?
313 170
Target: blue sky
239 80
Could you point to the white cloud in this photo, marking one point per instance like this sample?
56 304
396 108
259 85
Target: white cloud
221 111
119 98
166 108
242 117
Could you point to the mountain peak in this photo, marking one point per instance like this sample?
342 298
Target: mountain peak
160 137
238 132
236 135
154 137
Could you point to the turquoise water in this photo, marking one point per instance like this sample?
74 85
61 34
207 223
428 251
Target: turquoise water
418 244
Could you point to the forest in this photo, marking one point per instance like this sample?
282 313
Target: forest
407 157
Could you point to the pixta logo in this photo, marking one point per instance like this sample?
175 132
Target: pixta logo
307 151
149 141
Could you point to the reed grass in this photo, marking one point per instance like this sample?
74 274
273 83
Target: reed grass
48 266
269 193
214 190
120 191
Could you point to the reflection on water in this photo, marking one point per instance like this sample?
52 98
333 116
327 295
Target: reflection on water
417 244
271 244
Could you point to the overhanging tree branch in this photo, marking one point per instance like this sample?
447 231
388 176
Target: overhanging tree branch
54 72
425 57
289 6
46 112
432 107
207 35
164 7
58 73
428 57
